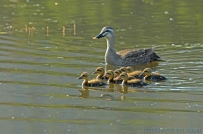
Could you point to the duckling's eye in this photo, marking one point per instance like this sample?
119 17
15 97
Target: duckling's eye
99 70
146 71
108 73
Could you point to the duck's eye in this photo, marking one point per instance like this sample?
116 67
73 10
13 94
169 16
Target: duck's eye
99 70
108 73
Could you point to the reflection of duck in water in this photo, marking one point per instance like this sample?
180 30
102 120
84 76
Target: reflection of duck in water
132 82
91 83
130 71
100 73
125 57
148 75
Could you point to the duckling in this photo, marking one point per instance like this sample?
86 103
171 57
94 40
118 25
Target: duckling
152 76
123 69
132 82
110 75
91 83
100 73
117 72
125 57
130 71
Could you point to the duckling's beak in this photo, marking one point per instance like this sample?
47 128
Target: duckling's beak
94 73
98 36
141 75
80 78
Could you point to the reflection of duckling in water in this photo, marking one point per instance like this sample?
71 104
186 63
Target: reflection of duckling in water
84 93
130 71
91 83
110 75
100 73
152 76
132 82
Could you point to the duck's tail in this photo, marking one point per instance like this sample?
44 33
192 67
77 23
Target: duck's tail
155 57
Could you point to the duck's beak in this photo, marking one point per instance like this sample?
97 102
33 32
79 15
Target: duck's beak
98 36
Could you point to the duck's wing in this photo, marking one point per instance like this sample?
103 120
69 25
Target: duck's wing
130 53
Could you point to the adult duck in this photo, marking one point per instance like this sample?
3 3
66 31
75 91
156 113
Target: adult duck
125 57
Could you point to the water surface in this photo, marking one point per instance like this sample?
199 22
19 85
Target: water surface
40 67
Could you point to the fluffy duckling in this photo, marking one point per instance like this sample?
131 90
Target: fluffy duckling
132 82
91 83
123 69
100 73
117 72
130 71
110 75
148 75
127 56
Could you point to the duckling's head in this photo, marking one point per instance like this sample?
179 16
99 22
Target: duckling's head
123 69
99 71
117 72
109 74
147 72
123 76
84 75
129 69
106 32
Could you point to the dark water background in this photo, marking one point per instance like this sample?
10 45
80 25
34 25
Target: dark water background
39 69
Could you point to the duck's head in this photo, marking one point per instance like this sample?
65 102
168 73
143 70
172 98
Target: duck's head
147 72
99 71
109 74
123 69
117 72
84 75
106 32
123 76
129 69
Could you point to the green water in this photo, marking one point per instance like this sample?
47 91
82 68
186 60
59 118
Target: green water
40 66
